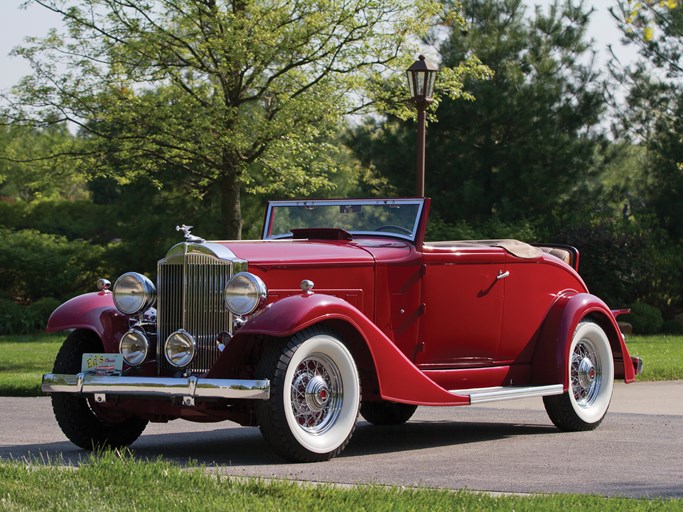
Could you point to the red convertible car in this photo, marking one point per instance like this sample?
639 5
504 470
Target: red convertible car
341 308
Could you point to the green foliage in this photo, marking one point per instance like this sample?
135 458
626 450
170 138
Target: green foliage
28 163
437 229
18 319
519 151
228 97
623 261
645 319
11 317
34 265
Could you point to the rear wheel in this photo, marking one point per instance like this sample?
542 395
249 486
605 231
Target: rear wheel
84 422
591 380
387 413
314 396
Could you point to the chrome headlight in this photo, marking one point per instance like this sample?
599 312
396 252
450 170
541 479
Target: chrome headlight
180 348
245 293
134 347
133 293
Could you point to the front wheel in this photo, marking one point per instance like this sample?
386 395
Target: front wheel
84 422
591 380
315 395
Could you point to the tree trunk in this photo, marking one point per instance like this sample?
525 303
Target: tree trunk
231 209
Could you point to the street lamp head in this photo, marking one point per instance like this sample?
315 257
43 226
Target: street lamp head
421 77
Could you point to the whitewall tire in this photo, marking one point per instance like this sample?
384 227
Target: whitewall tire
315 396
591 381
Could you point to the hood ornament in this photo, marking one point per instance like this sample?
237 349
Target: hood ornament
189 236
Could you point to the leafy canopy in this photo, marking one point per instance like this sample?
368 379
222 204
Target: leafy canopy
238 95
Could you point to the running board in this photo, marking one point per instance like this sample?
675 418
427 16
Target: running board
496 394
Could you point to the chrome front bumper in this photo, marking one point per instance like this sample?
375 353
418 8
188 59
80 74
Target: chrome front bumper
187 388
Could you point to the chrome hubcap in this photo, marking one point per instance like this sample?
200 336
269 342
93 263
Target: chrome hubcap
317 394
586 373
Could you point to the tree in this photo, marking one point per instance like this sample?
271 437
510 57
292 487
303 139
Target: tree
530 139
43 179
649 117
238 95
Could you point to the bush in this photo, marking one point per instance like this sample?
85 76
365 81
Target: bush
11 317
37 314
34 265
672 327
645 319
18 319
624 262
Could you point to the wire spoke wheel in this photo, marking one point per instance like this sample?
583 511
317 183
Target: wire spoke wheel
586 373
591 380
316 394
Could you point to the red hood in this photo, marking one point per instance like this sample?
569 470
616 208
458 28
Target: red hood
299 252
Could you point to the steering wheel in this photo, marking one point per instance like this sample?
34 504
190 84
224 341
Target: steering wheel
394 228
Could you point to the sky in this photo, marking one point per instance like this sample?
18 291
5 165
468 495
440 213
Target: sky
17 24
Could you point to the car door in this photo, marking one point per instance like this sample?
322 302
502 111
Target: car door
462 293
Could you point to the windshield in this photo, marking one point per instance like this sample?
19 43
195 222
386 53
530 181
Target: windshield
387 217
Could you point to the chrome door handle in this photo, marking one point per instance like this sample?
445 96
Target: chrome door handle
502 275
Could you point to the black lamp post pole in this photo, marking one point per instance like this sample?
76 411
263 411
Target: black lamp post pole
421 146
421 76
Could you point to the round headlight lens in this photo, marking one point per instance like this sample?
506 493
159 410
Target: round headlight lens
133 293
134 347
244 293
180 348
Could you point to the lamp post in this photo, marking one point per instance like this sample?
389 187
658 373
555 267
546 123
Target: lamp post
421 77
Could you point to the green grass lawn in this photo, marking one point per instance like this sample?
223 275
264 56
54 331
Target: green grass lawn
109 481
24 359
662 356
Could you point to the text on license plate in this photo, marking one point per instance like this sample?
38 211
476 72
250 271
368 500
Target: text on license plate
102 364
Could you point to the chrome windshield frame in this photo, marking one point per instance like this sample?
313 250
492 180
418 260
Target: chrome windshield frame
267 233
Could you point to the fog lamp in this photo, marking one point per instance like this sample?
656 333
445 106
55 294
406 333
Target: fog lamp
180 348
134 347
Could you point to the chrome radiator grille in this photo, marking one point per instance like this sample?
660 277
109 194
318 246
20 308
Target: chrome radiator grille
190 297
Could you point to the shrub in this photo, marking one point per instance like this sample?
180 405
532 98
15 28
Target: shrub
645 319
11 317
672 327
36 314
623 262
18 319
34 265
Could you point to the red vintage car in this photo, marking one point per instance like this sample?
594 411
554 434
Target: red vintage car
341 308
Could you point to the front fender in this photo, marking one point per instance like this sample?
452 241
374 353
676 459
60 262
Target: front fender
92 311
550 361
399 380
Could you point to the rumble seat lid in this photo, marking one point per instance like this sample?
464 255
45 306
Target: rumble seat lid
514 247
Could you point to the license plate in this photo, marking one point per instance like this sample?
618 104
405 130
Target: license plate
102 364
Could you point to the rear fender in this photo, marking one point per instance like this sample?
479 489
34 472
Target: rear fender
398 379
94 312
550 361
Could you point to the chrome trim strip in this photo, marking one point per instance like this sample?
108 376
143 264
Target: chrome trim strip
497 394
157 386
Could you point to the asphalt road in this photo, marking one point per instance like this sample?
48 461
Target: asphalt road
501 447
